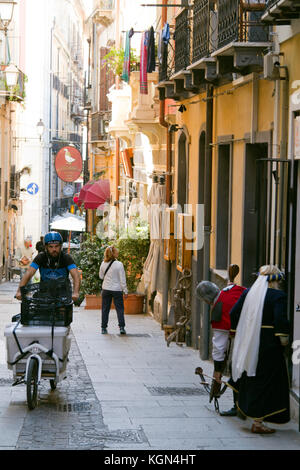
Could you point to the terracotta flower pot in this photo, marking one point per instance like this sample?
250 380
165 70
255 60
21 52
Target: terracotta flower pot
93 302
134 304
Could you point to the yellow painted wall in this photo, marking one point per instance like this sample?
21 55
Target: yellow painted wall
290 49
232 116
193 121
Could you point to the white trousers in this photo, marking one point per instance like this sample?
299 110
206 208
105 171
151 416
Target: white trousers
219 343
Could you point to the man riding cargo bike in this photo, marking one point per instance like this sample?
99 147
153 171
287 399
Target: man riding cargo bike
38 340
53 264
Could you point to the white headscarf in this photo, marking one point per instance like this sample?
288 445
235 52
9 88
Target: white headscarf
247 338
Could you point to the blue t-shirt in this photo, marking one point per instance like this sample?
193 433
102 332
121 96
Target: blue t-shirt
51 268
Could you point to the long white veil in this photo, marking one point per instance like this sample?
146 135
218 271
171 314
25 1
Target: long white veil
247 338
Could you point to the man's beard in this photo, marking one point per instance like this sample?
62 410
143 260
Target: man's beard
54 256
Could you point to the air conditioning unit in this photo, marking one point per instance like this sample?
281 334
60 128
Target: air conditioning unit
271 70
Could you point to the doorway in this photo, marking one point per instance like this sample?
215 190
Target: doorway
223 222
182 180
255 212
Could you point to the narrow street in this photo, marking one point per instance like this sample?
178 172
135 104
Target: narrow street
123 393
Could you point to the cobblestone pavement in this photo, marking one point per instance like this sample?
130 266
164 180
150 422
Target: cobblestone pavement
70 417
123 393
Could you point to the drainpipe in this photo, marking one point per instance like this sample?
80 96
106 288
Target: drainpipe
164 123
283 151
204 346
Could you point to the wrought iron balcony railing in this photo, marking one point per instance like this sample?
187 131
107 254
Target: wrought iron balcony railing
175 55
240 21
214 24
217 23
182 41
167 63
205 28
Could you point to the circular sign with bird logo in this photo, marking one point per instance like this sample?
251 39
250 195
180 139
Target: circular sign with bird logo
68 164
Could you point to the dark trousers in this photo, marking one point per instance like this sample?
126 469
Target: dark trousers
107 296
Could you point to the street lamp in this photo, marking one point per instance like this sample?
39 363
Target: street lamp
12 75
40 127
6 13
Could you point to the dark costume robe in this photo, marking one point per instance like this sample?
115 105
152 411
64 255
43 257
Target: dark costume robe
266 396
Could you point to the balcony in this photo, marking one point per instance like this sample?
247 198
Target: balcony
104 13
176 57
242 36
281 12
222 37
15 94
99 127
14 188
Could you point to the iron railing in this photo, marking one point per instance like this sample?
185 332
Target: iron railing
167 64
205 28
240 21
182 41
270 3
214 24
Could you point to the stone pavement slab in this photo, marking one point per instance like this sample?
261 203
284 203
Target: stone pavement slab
152 386
124 393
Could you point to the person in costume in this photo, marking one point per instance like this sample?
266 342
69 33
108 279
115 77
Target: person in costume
221 302
259 321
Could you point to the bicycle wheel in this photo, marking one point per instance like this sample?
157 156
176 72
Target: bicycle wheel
32 383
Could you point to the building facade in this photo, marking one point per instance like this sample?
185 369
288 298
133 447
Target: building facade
11 102
231 67
215 139
55 92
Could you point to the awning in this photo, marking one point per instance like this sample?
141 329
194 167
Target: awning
68 222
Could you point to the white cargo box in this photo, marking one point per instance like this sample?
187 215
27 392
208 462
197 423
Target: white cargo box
27 335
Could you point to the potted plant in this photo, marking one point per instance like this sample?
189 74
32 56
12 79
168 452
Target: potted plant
133 250
88 261
114 60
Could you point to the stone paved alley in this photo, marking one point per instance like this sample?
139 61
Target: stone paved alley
123 393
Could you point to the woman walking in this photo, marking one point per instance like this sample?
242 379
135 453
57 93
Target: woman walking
259 320
114 285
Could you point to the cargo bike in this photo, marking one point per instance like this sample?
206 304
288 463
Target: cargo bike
38 340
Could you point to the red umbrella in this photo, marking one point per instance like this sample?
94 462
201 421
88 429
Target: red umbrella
97 193
82 193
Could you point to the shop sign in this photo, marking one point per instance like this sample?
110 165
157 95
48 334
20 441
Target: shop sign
68 164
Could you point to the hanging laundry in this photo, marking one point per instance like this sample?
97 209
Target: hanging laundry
150 51
159 48
126 66
166 33
143 66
